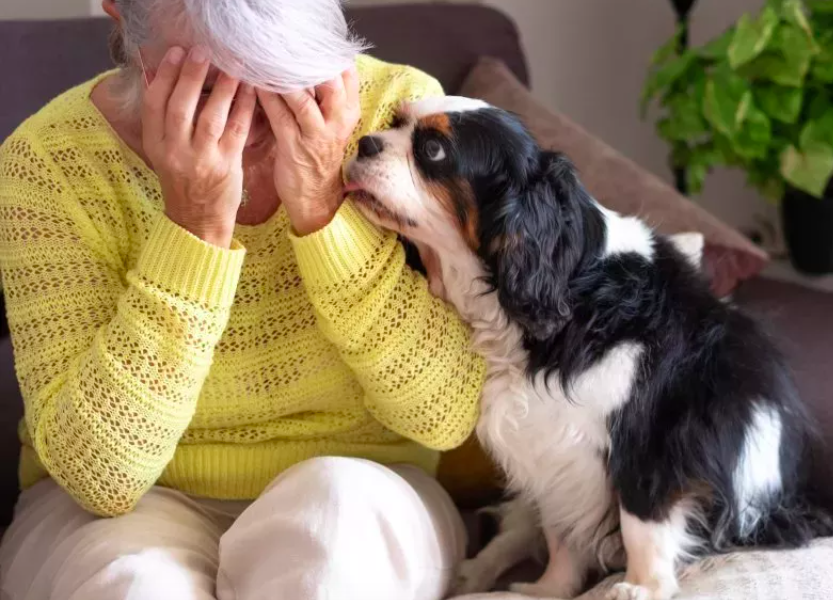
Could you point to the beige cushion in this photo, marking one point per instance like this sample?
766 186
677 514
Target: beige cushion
617 182
803 574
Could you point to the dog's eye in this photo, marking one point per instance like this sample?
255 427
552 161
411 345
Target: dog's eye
434 151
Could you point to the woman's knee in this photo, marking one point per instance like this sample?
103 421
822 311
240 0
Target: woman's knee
54 549
338 528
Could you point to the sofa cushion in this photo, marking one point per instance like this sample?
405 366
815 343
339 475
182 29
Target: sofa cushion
801 574
617 182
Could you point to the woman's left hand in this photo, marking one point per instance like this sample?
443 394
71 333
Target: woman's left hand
311 139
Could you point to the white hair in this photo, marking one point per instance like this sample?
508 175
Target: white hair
278 45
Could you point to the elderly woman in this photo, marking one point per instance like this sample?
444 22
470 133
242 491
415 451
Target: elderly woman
234 386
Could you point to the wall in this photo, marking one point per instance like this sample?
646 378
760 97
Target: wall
43 9
588 58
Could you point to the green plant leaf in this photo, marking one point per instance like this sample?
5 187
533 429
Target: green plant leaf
794 12
818 105
753 138
718 47
663 77
787 59
700 161
822 69
818 131
808 169
684 121
766 179
820 6
751 37
726 152
781 103
669 49
696 178
726 100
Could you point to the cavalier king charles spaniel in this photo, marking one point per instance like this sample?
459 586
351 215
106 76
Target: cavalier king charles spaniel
639 420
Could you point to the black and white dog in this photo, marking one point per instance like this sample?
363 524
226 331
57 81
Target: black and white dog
645 420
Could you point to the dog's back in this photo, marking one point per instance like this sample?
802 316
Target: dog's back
714 418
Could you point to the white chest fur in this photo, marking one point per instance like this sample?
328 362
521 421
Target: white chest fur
552 448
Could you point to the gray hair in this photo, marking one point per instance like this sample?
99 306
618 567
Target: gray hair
278 45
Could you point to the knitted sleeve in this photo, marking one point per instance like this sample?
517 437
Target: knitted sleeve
110 360
409 350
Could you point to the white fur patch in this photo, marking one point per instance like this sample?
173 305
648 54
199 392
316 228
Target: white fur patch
654 549
445 104
627 234
758 472
691 245
551 446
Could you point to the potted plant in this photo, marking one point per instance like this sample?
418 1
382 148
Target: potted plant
760 98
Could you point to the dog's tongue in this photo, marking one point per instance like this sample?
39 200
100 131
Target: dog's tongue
351 186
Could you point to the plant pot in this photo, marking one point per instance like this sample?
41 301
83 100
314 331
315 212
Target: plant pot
808 230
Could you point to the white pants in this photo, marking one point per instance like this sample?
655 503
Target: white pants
328 528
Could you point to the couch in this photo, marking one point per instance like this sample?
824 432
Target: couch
42 58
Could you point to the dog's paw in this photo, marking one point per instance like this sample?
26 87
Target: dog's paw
473 577
630 591
539 590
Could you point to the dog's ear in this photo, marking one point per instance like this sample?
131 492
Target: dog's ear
537 241
433 270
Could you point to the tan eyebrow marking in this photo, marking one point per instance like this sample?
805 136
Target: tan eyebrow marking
438 122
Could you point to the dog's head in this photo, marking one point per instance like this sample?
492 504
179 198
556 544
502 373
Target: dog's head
459 176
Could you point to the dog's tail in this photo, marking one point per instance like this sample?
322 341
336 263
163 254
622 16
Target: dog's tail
792 523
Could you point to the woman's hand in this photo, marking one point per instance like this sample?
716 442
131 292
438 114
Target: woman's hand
199 159
311 140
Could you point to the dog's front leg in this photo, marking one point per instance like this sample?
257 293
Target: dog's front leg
518 539
565 574
653 548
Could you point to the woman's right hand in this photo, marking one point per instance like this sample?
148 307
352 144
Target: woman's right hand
198 158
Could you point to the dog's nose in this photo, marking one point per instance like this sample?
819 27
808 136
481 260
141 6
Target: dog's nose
370 146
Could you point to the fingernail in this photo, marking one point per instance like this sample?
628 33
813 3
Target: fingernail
175 55
199 54
247 89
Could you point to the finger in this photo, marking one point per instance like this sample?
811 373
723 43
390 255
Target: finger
240 121
211 124
158 94
332 97
280 116
306 111
179 123
350 77
352 99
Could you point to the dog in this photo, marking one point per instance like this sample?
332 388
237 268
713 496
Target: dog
639 420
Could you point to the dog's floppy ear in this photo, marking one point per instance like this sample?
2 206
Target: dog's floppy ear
536 243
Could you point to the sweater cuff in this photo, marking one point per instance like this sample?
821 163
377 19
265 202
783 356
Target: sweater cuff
339 250
179 262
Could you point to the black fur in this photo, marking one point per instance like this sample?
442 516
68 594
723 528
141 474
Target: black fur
706 366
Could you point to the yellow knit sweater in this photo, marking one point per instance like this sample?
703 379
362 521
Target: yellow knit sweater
146 356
